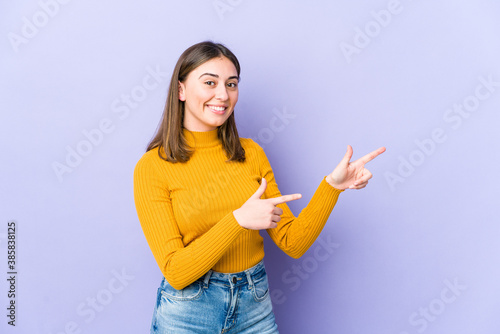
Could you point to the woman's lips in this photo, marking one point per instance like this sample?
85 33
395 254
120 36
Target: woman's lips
220 110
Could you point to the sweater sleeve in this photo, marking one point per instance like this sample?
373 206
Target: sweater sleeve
180 264
294 235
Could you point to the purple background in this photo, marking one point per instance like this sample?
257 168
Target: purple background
364 73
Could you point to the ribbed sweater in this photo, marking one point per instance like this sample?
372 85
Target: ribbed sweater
186 210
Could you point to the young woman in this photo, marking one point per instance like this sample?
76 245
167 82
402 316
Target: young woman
202 194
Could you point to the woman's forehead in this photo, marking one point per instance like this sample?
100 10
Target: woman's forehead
221 67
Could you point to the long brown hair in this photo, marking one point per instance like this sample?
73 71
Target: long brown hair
169 137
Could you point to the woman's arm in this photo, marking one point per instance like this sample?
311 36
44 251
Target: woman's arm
294 235
181 265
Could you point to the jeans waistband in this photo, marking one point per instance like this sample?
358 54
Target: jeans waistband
235 279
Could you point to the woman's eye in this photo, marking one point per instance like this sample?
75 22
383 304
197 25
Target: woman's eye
232 85
210 83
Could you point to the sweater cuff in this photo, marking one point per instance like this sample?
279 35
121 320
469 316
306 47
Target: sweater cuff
235 227
330 187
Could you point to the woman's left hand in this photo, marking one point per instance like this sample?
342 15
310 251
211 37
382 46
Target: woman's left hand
352 175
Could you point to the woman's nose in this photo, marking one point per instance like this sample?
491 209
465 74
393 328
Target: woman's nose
221 93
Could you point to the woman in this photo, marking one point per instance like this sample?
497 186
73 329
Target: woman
202 194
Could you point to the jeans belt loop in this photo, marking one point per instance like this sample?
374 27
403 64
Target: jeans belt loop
249 279
206 279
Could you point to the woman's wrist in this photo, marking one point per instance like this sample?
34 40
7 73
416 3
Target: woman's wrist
331 182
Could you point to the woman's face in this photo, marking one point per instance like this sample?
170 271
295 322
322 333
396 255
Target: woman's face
210 93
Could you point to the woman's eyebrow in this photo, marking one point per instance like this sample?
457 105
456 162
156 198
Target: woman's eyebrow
217 76
210 74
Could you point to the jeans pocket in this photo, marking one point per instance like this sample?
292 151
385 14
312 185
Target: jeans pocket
190 292
260 287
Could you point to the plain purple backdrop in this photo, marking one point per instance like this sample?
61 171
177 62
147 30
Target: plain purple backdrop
83 86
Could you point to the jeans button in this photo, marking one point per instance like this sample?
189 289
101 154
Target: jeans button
234 280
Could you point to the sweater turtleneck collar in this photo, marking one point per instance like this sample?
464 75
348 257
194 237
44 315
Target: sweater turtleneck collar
201 139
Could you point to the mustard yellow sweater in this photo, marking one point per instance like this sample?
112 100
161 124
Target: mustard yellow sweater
186 210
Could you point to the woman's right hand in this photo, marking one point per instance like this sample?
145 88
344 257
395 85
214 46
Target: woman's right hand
261 214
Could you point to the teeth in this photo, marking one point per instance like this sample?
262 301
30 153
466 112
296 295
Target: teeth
217 108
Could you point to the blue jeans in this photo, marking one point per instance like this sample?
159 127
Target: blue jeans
217 303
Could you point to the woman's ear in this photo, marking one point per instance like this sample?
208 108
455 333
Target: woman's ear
182 90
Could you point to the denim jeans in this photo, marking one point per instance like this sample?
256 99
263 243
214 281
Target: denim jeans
217 303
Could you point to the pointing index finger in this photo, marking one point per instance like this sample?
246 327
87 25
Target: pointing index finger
285 198
370 156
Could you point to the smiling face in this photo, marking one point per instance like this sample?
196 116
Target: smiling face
210 93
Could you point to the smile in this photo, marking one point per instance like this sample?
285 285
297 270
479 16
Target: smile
218 109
